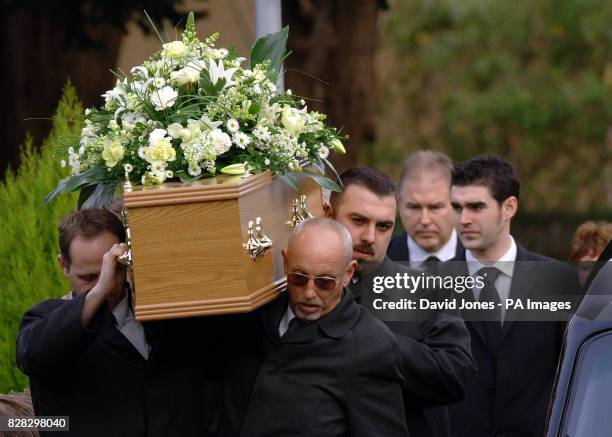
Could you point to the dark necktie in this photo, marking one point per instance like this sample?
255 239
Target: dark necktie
430 265
294 324
492 318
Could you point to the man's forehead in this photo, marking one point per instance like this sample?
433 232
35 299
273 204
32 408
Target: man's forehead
471 193
356 198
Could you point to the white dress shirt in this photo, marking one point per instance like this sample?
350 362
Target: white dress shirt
130 327
503 282
283 326
418 255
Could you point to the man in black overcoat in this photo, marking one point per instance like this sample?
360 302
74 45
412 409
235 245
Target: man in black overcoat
89 359
436 360
516 354
312 362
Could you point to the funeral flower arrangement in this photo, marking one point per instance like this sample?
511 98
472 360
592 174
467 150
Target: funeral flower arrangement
193 110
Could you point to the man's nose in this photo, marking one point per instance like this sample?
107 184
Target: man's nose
369 234
425 217
310 290
465 217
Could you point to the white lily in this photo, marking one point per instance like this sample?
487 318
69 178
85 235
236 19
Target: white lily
218 71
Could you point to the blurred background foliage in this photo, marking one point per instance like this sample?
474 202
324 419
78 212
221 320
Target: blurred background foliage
28 247
530 81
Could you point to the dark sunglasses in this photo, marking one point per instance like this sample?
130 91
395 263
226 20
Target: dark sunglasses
321 282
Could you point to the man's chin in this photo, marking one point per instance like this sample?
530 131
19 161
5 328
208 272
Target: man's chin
368 266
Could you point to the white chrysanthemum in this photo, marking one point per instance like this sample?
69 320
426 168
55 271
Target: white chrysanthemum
164 98
242 140
221 141
323 152
169 174
233 125
262 133
194 170
128 167
221 53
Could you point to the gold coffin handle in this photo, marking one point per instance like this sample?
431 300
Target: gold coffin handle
300 211
126 258
258 243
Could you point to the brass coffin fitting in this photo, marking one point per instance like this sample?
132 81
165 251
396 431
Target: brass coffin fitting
258 242
126 258
300 211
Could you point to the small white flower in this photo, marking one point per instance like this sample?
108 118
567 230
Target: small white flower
70 151
81 150
289 92
158 166
232 125
242 140
128 167
63 163
323 152
261 133
159 82
266 161
194 170
302 102
221 53
169 174
174 130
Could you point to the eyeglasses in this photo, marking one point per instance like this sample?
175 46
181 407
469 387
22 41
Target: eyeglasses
322 282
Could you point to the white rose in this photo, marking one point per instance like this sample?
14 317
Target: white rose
292 121
164 97
174 130
174 49
185 75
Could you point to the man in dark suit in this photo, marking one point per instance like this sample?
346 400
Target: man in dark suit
89 359
517 357
437 364
312 362
426 213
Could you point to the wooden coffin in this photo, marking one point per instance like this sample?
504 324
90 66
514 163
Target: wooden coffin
187 244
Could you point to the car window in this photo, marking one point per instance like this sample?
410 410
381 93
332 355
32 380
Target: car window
589 410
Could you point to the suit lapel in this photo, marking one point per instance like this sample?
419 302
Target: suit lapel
520 288
116 341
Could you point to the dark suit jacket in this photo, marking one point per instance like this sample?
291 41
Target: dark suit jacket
398 248
97 377
338 376
436 360
510 393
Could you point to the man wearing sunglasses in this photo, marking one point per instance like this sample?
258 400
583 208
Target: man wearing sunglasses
312 362
436 360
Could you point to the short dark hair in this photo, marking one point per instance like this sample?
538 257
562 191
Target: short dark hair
367 177
88 223
493 172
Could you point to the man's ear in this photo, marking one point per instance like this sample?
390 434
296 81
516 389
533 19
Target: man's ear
63 264
349 272
509 207
328 209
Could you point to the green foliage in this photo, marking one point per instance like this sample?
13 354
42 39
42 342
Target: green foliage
270 47
530 81
28 247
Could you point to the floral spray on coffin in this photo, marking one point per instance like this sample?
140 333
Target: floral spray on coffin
215 160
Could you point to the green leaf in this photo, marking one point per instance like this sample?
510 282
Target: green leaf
333 169
72 183
186 177
100 197
270 47
254 108
323 181
290 179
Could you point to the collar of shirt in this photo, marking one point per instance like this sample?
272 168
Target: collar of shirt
505 264
284 323
122 312
418 254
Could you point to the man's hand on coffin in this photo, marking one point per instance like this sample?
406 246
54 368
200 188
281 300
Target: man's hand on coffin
110 286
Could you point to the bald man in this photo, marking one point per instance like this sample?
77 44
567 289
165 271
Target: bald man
312 362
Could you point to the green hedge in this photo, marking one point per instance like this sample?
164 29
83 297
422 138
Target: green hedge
29 271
